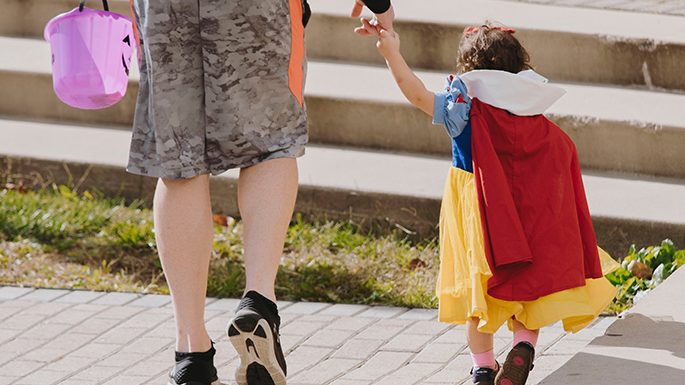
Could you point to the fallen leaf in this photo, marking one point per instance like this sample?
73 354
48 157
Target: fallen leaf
11 186
639 270
416 263
223 220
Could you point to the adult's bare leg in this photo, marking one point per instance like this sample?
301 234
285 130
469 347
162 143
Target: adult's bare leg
266 197
184 233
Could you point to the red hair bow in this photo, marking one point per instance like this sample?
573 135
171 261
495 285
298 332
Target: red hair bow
471 30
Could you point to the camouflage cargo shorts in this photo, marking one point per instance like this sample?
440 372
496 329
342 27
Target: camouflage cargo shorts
220 85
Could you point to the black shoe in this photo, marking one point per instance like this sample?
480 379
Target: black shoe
194 369
254 334
517 366
484 375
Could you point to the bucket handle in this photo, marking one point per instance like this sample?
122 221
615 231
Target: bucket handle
104 4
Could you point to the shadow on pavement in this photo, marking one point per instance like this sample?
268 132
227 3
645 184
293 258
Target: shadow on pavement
636 349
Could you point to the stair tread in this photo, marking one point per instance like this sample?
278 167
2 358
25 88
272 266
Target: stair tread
609 195
529 16
374 83
521 15
603 102
547 17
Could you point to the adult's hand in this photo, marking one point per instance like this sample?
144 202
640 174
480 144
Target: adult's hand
379 21
357 10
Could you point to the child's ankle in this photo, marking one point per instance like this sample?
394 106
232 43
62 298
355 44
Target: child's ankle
484 360
526 335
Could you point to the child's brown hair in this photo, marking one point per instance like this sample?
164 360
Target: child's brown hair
493 48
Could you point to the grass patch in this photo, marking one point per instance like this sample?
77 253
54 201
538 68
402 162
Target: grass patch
334 262
65 240
26 263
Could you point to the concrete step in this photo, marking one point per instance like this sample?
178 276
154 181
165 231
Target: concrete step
615 129
393 190
566 44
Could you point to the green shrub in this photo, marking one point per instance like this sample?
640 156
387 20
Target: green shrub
663 260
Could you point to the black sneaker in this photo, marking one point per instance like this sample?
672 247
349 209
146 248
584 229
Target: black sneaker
484 375
194 369
517 366
254 334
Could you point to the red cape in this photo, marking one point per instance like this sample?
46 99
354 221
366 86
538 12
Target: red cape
537 230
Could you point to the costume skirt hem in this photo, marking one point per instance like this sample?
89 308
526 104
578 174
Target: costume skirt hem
464 273
576 308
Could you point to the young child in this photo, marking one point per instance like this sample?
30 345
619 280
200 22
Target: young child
516 240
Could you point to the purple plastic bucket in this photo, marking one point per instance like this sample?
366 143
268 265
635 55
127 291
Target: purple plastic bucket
91 56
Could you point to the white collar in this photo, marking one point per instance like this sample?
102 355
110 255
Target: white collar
525 93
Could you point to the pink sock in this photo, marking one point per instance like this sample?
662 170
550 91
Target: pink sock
527 336
484 359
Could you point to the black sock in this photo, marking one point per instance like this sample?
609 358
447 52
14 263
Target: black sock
270 305
204 356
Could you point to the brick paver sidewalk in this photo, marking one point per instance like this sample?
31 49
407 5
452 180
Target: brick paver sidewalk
666 7
87 338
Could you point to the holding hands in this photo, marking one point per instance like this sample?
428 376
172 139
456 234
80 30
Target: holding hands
381 26
380 21
389 46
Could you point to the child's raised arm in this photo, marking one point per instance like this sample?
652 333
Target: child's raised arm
412 87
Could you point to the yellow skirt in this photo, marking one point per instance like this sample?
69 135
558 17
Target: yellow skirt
464 273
